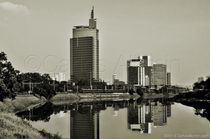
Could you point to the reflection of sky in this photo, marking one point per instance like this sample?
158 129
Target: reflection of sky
58 123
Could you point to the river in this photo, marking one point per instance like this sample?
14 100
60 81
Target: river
121 119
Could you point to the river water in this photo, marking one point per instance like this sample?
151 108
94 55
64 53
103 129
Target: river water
121 119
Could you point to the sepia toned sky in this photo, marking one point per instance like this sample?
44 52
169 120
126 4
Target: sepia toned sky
35 34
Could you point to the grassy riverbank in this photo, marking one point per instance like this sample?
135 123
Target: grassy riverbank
13 127
65 96
69 98
19 103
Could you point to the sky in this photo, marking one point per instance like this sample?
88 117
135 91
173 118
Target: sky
35 35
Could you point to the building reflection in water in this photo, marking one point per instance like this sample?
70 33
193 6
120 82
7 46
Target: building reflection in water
142 117
84 117
84 123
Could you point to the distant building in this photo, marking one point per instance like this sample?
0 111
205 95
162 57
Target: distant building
117 82
148 69
148 75
146 60
114 77
59 76
84 52
136 72
168 78
200 79
159 74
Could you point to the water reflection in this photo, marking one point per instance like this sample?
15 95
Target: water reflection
141 115
201 108
84 123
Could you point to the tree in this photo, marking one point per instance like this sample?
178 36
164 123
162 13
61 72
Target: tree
198 85
11 80
45 90
7 77
3 90
41 84
46 78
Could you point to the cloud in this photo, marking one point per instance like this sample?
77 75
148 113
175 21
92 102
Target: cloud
14 8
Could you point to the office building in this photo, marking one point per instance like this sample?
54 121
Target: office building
146 60
148 69
159 74
139 71
84 52
114 77
136 72
148 75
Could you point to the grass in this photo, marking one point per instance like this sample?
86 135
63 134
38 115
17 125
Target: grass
13 127
65 96
19 103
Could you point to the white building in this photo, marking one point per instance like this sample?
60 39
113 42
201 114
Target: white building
59 77
136 71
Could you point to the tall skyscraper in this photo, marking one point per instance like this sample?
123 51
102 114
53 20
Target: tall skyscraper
159 74
84 52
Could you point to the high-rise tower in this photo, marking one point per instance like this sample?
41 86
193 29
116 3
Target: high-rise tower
84 52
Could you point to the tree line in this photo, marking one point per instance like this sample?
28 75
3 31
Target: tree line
205 85
13 82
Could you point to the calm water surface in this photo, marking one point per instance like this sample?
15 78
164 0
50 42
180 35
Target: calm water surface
146 119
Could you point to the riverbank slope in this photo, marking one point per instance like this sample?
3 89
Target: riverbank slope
13 127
